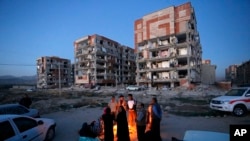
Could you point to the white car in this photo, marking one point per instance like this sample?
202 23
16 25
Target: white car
133 88
237 101
25 128
18 110
197 135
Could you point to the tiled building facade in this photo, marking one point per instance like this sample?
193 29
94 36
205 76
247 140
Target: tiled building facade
168 48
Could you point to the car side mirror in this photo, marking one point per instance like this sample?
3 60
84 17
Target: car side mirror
40 122
248 95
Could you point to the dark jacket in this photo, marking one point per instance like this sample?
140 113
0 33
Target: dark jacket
141 117
157 113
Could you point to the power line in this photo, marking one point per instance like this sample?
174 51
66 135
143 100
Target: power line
17 65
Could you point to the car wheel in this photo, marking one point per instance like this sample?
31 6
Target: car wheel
239 110
50 134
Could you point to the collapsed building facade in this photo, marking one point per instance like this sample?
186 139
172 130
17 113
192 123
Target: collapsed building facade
168 48
102 61
53 72
208 75
230 73
243 74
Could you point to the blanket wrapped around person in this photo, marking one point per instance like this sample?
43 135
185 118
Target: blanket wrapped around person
90 132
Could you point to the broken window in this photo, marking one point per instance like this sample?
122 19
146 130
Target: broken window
155 54
182 62
182 38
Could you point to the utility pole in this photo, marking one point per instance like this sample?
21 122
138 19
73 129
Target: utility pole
116 79
244 75
59 77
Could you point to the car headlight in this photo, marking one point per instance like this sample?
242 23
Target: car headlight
225 102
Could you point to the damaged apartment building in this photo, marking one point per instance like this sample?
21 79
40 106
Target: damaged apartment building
102 61
53 72
168 48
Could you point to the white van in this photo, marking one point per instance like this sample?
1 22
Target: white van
237 101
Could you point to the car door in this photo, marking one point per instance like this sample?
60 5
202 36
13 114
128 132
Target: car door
29 129
7 132
248 99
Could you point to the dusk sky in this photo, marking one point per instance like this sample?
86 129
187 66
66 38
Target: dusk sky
30 29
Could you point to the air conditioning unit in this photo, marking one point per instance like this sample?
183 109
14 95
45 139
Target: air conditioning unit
159 42
173 40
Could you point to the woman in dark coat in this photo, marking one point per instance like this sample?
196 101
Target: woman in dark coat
122 125
108 119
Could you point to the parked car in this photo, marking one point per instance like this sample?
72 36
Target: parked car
142 87
133 88
237 101
19 110
97 87
197 135
24 128
164 88
31 90
121 91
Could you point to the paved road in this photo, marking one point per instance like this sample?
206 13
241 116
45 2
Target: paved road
69 122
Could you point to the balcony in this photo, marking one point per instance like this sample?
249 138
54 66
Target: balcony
81 53
160 47
82 60
100 60
143 80
162 80
182 67
98 66
182 44
100 73
140 60
98 52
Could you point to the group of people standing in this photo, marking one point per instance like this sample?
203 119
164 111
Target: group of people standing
130 114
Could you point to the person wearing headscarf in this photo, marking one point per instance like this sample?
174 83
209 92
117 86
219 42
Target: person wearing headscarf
108 120
122 125
154 119
141 122
86 134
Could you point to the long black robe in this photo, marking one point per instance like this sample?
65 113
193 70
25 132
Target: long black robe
108 127
122 126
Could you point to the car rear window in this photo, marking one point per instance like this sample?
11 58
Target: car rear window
6 130
13 110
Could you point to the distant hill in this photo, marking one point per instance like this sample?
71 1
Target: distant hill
9 79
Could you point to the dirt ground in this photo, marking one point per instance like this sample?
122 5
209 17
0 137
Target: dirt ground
183 110
177 101
69 122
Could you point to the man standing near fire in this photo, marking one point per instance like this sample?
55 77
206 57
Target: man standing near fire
131 110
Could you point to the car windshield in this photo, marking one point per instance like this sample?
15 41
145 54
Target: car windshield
13 110
236 92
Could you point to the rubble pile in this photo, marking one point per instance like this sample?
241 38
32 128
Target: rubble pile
174 99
